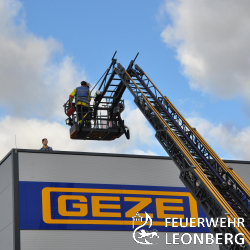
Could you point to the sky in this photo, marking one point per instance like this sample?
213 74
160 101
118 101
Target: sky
196 52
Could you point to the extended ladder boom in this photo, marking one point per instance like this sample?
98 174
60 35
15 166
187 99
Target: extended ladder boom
220 192
218 189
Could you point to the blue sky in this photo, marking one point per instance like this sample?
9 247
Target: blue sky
193 58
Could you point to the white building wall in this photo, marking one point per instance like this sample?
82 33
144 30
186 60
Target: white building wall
101 169
6 205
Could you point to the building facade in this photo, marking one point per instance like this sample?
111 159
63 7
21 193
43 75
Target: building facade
70 200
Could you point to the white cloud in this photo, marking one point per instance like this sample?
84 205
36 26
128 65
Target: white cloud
32 82
232 141
34 86
212 42
138 124
29 133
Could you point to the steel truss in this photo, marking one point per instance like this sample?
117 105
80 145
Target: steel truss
218 189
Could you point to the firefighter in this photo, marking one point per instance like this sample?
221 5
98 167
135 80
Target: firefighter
83 99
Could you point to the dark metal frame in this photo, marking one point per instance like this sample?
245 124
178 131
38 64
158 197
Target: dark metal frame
108 100
146 93
182 144
212 168
15 195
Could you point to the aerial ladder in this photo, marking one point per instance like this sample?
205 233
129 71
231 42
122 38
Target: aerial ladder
218 189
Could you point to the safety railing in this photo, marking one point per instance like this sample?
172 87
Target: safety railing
102 119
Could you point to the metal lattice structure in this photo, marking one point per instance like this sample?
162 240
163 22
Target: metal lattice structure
104 114
218 189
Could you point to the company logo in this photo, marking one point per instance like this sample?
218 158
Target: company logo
113 206
144 234
77 206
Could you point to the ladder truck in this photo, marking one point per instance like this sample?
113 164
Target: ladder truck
218 189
